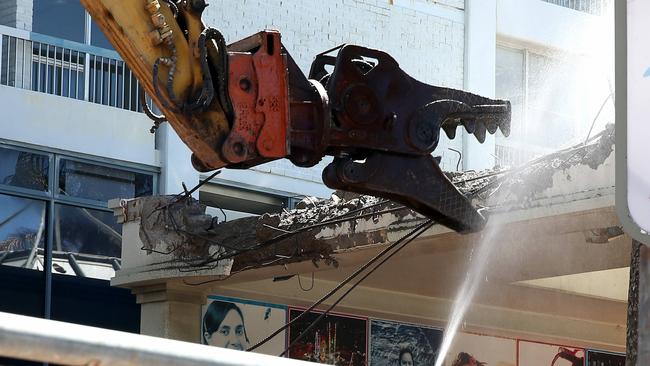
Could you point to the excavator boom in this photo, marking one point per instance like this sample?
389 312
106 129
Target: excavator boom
248 103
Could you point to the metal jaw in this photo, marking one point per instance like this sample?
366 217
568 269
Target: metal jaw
415 181
385 125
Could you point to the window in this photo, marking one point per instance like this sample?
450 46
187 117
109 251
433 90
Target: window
40 190
556 102
595 7
67 19
59 18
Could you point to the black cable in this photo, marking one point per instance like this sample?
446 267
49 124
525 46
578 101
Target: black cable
298 231
343 283
411 236
157 119
310 287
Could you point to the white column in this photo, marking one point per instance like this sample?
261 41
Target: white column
480 72
176 166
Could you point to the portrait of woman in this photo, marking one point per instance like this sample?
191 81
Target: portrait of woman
241 323
223 326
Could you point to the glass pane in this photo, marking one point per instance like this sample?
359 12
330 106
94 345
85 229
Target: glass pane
61 18
97 37
565 96
510 84
86 231
95 182
24 169
22 225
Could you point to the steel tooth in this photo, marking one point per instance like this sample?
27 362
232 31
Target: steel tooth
504 126
470 125
480 132
492 126
450 131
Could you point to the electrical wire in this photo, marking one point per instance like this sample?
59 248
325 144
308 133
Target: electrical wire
410 237
419 229
310 287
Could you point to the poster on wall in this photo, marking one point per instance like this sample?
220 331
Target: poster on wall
397 344
477 350
238 324
541 354
600 358
336 340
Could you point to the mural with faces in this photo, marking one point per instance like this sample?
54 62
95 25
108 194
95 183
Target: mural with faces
238 324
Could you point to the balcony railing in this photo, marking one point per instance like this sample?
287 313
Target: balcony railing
69 69
595 7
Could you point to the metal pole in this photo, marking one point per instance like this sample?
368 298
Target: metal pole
633 306
43 340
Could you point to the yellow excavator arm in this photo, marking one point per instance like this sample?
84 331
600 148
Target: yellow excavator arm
247 103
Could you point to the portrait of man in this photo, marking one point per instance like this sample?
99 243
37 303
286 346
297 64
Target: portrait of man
406 357
402 344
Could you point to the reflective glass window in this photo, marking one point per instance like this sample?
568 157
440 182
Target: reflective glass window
98 38
22 231
59 18
24 169
86 231
96 182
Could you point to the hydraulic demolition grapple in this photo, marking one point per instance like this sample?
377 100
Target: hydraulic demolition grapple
247 103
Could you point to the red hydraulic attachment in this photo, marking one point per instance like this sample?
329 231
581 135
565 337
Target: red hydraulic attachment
357 105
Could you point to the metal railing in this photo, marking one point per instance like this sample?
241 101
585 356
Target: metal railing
43 340
595 7
54 66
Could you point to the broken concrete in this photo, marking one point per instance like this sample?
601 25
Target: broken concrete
181 236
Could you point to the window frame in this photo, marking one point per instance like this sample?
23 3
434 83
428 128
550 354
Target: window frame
52 198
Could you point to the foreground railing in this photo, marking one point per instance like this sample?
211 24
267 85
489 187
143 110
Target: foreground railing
69 69
43 340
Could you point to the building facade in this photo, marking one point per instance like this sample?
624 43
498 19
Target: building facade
74 136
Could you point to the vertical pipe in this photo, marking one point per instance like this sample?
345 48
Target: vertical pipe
2 37
86 77
116 84
47 68
70 74
22 64
632 341
38 69
8 58
62 69
101 80
137 92
47 262
123 83
27 60
54 73
16 58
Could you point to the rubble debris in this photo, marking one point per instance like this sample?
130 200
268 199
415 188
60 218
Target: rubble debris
182 229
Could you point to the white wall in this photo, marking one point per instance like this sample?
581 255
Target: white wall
426 37
16 13
480 70
74 125
539 24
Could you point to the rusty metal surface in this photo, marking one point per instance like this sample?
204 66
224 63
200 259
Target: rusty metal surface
385 125
259 93
417 182
242 105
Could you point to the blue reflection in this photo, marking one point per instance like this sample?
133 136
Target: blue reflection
20 220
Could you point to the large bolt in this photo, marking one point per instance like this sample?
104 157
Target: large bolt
245 84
